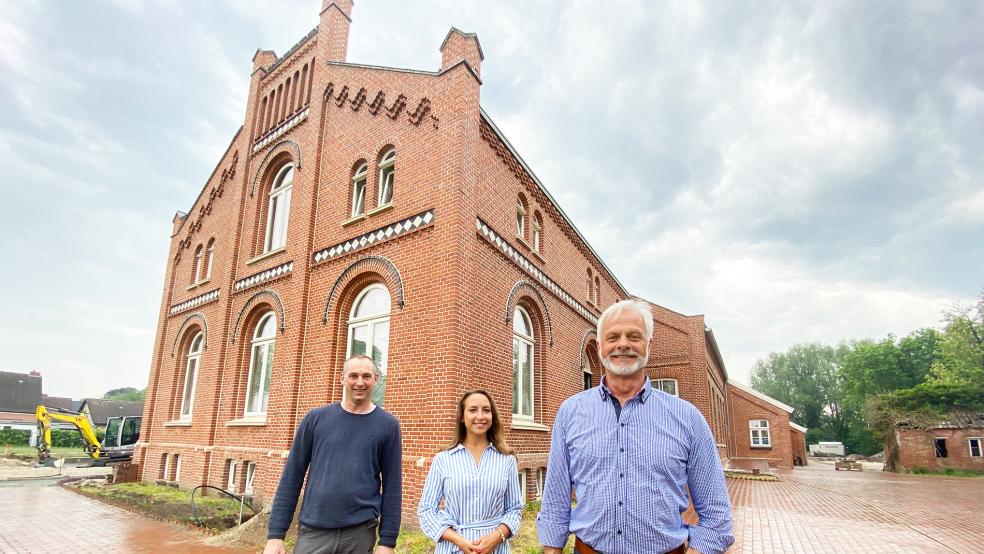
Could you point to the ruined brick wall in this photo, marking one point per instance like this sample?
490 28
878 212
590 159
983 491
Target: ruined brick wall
917 449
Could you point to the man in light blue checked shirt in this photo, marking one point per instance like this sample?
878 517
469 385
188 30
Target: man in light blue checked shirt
631 453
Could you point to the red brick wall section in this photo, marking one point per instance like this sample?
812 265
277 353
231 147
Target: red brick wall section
798 444
745 407
917 449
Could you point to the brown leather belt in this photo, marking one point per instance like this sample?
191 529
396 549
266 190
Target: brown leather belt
580 547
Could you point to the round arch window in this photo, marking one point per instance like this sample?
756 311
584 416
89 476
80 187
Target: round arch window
368 332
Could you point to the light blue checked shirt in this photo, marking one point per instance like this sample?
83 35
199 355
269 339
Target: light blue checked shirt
477 498
631 476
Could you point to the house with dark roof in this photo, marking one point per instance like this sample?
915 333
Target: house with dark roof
101 410
954 442
20 394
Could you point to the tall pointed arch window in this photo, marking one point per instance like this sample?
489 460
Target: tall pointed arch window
191 376
586 370
368 332
387 176
196 265
359 190
522 365
279 209
261 365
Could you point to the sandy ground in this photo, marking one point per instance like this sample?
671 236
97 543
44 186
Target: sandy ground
16 468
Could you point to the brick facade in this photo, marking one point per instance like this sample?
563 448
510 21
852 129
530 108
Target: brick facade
446 249
748 405
916 448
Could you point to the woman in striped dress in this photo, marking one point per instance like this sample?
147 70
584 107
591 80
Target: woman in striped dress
477 478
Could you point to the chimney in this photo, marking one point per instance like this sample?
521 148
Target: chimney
333 31
35 373
264 59
458 46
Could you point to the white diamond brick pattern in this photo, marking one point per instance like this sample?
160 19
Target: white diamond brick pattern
264 276
393 230
532 270
194 302
284 127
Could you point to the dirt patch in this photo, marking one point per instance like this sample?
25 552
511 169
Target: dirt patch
167 503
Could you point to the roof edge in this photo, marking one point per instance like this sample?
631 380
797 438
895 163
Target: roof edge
760 396
798 427
560 210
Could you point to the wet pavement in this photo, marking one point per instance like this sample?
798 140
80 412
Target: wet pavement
816 509
36 517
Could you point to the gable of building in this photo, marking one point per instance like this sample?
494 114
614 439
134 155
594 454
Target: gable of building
19 392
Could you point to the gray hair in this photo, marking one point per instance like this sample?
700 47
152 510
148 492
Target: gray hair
638 306
345 366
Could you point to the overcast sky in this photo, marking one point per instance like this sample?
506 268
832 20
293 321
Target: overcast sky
795 172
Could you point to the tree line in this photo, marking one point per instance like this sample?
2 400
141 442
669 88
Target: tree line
856 391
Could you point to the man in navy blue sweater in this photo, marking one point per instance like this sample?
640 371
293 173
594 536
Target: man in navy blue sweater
351 452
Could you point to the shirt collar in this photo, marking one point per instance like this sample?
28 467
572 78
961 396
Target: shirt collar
461 446
642 395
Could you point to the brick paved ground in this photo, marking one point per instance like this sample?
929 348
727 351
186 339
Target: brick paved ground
816 509
44 519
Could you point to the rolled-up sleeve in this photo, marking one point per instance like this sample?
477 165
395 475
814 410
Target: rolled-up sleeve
554 519
705 478
433 522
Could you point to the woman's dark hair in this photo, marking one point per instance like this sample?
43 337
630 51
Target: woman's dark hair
495 433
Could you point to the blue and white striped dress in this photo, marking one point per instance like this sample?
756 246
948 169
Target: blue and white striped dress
477 498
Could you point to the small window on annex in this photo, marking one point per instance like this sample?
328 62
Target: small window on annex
261 365
191 376
939 444
368 332
521 475
359 190
669 386
387 176
975 447
522 405
279 209
250 473
759 431
231 466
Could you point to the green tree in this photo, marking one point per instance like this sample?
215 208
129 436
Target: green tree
125 393
805 377
962 345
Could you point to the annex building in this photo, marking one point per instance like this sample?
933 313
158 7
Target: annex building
364 209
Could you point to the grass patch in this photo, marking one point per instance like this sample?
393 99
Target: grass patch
947 472
170 504
24 452
525 542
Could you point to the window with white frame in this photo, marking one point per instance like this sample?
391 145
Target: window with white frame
759 431
261 365
359 190
368 332
387 176
520 218
191 376
669 386
279 209
196 265
586 371
522 406
521 475
209 254
975 447
537 232
231 466
541 476
250 472
165 465
177 468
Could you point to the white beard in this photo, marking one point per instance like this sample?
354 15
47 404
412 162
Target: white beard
623 370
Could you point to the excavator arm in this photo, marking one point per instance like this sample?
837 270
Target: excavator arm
81 421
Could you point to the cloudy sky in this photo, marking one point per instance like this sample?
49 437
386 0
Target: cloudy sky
795 172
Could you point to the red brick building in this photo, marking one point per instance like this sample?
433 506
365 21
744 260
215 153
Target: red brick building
379 210
761 429
957 443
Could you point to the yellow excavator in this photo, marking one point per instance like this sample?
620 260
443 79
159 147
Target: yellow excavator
117 445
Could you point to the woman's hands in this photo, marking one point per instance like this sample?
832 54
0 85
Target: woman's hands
487 543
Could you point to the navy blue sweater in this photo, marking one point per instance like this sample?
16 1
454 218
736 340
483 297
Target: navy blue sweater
353 466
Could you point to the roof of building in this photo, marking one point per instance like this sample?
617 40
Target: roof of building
957 419
760 396
59 402
19 392
798 427
101 410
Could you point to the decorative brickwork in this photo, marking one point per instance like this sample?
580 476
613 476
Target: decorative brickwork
264 295
376 264
376 236
378 104
209 296
193 319
281 270
286 144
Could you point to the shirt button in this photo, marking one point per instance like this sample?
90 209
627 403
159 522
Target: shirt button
619 502
621 475
621 450
619 532
623 425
